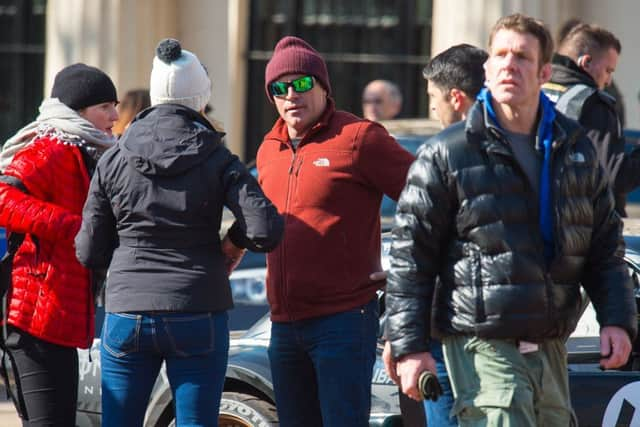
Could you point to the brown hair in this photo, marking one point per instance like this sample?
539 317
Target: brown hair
526 25
586 39
132 103
566 28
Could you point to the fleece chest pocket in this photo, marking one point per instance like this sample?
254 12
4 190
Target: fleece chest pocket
319 176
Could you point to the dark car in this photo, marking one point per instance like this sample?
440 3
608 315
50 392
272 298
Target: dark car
600 398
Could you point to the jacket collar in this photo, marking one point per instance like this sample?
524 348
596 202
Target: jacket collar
478 124
565 71
173 110
280 133
479 128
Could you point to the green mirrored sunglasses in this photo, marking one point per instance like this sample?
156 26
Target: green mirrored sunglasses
299 85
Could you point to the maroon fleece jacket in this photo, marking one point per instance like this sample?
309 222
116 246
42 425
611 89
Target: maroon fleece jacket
329 191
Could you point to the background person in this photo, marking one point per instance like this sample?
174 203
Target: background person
50 303
582 68
469 253
454 79
381 100
612 89
326 171
132 103
153 218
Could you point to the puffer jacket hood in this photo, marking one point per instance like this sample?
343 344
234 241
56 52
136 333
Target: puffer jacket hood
171 140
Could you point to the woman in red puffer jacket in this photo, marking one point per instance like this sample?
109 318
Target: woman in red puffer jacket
50 302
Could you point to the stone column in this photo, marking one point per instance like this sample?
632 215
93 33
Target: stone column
120 36
238 64
117 36
469 21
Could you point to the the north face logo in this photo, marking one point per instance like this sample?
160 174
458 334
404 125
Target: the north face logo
322 162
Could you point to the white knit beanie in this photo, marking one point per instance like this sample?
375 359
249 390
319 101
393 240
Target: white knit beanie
178 77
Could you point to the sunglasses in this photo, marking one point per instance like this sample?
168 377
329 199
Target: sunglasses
299 85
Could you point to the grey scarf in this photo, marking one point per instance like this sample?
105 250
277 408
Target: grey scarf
61 122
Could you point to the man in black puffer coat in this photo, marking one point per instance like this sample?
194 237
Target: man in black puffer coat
502 219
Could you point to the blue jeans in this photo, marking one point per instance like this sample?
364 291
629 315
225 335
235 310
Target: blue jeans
193 345
322 368
438 411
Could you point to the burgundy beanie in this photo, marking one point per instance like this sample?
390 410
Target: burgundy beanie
293 55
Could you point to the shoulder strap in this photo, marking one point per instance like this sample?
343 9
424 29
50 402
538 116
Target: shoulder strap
13 243
14 182
570 103
553 90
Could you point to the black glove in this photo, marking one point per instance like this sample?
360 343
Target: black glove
428 386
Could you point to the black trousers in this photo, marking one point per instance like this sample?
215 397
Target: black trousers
46 377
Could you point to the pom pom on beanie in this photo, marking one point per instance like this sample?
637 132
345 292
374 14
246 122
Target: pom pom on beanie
178 77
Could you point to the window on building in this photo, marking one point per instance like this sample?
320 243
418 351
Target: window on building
22 37
361 40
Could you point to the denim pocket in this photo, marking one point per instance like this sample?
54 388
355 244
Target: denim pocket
121 332
191 334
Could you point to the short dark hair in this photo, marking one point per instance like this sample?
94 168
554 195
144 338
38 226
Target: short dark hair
566 28
586 39
524 24
460 66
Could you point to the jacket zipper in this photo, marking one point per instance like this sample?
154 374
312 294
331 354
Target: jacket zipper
293 161
547 276
481 315
555 188
299 167
283 250
571 139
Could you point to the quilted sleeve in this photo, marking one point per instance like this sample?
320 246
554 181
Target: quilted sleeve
38 166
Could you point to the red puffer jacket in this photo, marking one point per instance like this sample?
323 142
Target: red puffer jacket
50 296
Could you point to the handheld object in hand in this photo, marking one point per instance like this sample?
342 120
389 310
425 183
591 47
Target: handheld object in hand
429 386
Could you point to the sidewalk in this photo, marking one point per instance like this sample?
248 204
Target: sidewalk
8 416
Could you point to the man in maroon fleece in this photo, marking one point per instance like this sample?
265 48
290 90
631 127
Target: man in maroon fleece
326 171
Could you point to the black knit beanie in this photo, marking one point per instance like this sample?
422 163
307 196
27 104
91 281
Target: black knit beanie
79 86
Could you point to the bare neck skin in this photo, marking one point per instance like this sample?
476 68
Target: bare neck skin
520 119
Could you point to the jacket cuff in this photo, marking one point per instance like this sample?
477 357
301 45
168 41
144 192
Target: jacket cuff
236 235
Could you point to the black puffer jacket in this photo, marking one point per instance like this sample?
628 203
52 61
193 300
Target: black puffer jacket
154 211
469 217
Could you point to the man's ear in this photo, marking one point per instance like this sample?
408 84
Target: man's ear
584 61
457 99
545 73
